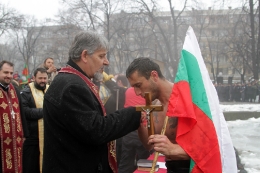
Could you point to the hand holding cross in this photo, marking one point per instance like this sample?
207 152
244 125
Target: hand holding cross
148 108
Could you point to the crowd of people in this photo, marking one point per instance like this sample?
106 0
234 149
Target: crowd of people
80 119
80 128
237 92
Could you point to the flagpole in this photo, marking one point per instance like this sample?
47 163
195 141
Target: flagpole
157 153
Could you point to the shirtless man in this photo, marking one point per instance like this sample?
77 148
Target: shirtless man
145 76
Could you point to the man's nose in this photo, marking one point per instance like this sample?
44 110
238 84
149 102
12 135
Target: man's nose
106 62
137 91
10 75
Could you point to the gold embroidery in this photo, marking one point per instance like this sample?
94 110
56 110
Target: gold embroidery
6 123
95 89
8 140
18 120
3 105
112 148
8 158
1 94
19 156
12 93
18 139
15 105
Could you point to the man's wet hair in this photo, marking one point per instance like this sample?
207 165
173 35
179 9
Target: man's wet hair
144 67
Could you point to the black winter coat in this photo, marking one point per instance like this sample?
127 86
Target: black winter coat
32 115
76 132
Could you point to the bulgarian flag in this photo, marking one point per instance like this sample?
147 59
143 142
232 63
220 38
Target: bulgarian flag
202 130
25 70
25 75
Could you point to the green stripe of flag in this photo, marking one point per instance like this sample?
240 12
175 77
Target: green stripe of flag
194 78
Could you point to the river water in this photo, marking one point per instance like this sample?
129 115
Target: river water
245 135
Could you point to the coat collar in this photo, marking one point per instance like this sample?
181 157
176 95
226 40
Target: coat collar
75 66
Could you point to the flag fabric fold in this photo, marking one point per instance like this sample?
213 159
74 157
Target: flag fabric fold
202 130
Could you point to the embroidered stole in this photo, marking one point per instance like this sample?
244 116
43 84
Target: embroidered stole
38 96
111 145
11 131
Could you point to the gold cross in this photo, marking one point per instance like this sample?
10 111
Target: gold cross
13 114
148 108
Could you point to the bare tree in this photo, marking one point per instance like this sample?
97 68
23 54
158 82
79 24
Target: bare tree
94 14
81 13
255 59
258 40
175 25
9 18
8 51
60 41
159 27
26 40
242 41
133 38
252 58
238 43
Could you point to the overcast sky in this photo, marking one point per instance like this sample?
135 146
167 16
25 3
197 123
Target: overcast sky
39 8
42 9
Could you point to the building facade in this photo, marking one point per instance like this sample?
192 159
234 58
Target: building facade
222 36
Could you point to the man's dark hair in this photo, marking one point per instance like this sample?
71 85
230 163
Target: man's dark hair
40 69
5 62
144 67
123 79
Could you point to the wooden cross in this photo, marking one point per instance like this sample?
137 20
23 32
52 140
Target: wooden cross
148 108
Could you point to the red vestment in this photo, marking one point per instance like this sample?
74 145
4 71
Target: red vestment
11 131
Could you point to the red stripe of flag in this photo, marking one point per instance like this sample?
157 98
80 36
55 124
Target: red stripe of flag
195 132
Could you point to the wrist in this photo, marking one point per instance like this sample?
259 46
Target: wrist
171 152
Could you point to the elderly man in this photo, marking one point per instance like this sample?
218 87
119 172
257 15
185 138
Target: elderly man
78 135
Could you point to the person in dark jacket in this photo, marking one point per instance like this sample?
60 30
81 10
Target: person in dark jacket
32 102
78 135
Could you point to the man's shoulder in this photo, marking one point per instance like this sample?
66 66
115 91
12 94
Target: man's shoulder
64 81
64 77
26 89
64 84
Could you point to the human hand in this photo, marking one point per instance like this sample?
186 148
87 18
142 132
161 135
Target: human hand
52 69
161 144
171 150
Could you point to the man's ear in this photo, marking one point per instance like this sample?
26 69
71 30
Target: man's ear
154 75
84 56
